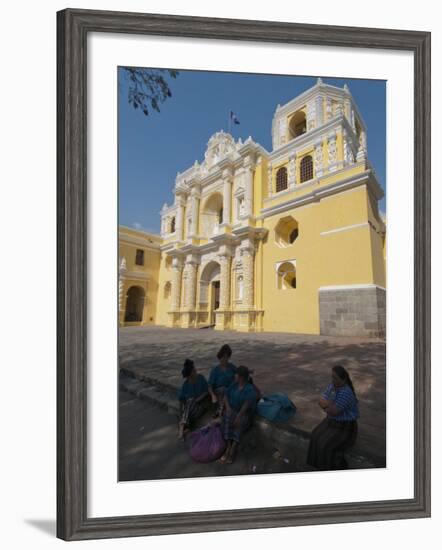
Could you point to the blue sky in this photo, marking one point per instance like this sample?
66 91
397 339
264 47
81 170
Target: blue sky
153 149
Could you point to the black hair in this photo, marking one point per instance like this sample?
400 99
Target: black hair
224 351
343 375
244 373
188 367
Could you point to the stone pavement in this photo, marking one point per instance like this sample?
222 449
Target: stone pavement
298 365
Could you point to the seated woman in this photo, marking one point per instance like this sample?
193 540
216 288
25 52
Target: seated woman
221 377
193 394
338 431
239 407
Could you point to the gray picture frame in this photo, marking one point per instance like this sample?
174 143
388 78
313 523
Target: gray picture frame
73 27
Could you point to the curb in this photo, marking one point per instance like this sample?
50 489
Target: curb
164 396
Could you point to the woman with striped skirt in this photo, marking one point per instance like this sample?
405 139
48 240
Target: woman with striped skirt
338 431
193 396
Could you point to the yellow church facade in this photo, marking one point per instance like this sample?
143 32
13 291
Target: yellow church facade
289 240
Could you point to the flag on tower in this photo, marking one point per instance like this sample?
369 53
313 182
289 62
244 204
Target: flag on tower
234 118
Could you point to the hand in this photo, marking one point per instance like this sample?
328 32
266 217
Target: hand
323 403
214 399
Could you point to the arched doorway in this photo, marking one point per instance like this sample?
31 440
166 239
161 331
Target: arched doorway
210 289
212 215
134 305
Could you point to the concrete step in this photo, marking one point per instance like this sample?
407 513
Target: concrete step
283 436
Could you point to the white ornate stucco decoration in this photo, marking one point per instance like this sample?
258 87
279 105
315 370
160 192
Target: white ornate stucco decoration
220 146
332 152
319 158
282 137
348 152
311 115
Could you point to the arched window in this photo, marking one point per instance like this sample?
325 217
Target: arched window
293 235
298 124
172 225
286 231
281 179
306 168
286 276
220 215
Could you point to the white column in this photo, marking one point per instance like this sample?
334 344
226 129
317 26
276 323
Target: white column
292 170
248 261
319 108
248 193
177 271
179 217
362 150
225 260
227 196
195 196
319 159
121 282
190 283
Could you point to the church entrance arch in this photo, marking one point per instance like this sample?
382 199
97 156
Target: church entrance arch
210 282
134 305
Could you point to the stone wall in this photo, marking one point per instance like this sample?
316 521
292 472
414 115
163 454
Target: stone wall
353 311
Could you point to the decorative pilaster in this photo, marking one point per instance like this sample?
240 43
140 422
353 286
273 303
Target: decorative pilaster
194 206
328 109
248 261
270 180
224 313
348 152
362 150
248 178
332 151
179 217
319 158
319 108
188 317
292 170
227 196
122 270
177 273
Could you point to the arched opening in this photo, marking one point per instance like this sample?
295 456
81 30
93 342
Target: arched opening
298 124
281 179
287 276
172 225
212 215
134 305
209 295
286 231
306 169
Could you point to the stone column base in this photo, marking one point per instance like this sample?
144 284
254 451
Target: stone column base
173 319
353 310
222 320
247 320
188 319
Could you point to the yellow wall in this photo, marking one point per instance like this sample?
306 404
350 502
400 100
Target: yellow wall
337 258
145 276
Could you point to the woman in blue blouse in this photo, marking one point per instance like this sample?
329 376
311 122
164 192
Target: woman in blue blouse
221 377
338 431
193 396
239 407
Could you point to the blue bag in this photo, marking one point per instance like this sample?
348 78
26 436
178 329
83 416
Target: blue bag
276 407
